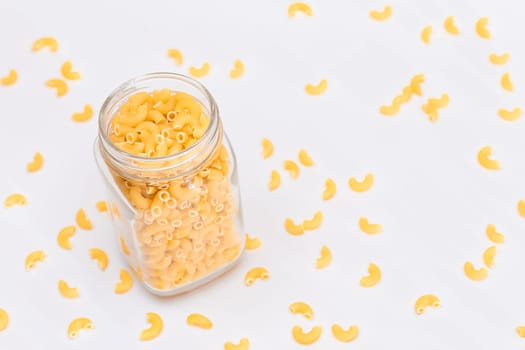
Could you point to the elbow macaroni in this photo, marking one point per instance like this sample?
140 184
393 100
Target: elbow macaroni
361 186
292 168
315 222
299 7
33 258
450 26
373 277
381 15
125 283
100 256
66 291
510 115
244 344
324 259
329 189
495 236
316 90
306 338
499 59
199 320
15 199
10 78
83 116
424 301
4 319
488 256
64 236
255 274
275 180
425 34
175 55
506 82
200 72
238 69
345 336
123 246
484 159
369 228
155 328
304 158
82 220
36 164
521 208
481 28
431 108
521 331
78 324
58 84
293 228
43 42
302 308
267 148
473 273
102 206
67 71
252 243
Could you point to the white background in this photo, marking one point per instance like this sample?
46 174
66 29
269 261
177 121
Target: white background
432 198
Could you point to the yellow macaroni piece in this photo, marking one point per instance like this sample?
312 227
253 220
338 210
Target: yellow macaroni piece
15 199
78 324
102 206
488 256
329 189
324 259
306 338
499 59
100 256
275 180
66 291
36 164
254 274
506 83
521 331
495 236
238 69
82 220
244 344
389 110
293 228
302 309
155 328
433 105
484 159
200 72
252 243
510 115
83 116
67 71
473 273
424 301
521 208
125 283
199 320
450 26
292 168
10 78
406 94
267 148
123 246
4 319
58 84
369 228
345 336
315 222
175 55
361 186
316 90
64 236
299 7
33 258
373 277
304 158
43 42
481 28
381 15
425 34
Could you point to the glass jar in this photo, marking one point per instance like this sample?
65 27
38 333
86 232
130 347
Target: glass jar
177 217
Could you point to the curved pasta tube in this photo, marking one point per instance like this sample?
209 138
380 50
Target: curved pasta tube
43 42
267 148
499 59
369 228
238 69
254 274
123 246
304 158
495 236
510 115
521 208
155 328
292 168
425 34
521 331
315 222
361 186
15 199
102 206
244 344
488 256
389 110
473 273
316 90
175 55
82 220
10 78
100 256
275 180
506 82
450 25
381 15
66 291
33 258
199 320
415 84
306 338
424 301
252 243
439 102
481 28
347 335
125 283
67 71
302 308
59 85
329 189
324 259
64 236
293 228
83 116
78 324
36 164
373 277
299 7
484 159
4 319
200 72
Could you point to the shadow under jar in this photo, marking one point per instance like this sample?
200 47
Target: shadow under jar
173 190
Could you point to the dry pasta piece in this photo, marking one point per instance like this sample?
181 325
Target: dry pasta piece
373 277
521 208
488 256
64 237
381 15
67 71
315 222
293 228
510 115
199 320
361 186
506 82
125 283
450 25
155 328
175 55
304 158
299 7
302 308
292 168
324 259
10 78
244 344
389 110
481 28
369 228
255 274
316 90
267 148
306 338
82 220
329 189
499 59
343 335
66 291
4 319
425 34
78 324
495 236
473 273
100 256
123 246
15 199
43 42
33 258
36 164
83 116
415 84
102 206
275 180
58 84
484 159
252 243
521 331
200 72
238 69
424 301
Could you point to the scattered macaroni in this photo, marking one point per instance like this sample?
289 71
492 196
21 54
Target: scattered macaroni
33 258
125 283
293 228
15 199
48 42
58 84
521 208
238 69
267 148
424 301
82 220
254 274
512 115
102 206
252 243
481 28
155 327
450 26
175 55
315 222
67 71
521 331
361 186
488 256
306 338
484 159
83 116
425 34
100 256
324 259
10 78
66 291
200 72
316 90
302 309
4 319
299 7
64 236
373 277
123 246
199 320
495 236
345 336
244 344
383 14
275 180
292 168
506 82
78 324
329 189
499 59
433 105
473 273
36 164
304 158
369 228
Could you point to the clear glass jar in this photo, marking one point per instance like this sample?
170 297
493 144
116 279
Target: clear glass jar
177 217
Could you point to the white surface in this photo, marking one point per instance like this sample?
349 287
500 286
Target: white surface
431 196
